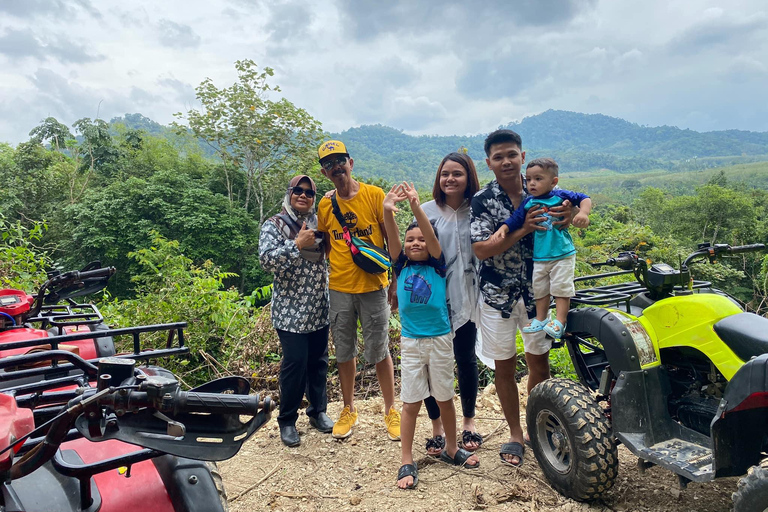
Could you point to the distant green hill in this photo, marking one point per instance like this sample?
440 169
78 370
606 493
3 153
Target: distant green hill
583 144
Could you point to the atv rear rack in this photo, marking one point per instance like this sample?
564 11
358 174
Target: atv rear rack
67 315
617 294
88 368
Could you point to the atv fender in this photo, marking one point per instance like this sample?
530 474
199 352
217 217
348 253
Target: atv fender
739 430
615 337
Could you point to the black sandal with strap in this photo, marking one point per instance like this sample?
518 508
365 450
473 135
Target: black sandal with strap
409 470
459 459
437 443
467 436
516 450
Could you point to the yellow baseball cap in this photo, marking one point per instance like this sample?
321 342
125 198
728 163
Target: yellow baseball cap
331 147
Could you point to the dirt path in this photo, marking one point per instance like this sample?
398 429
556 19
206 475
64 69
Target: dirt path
359 474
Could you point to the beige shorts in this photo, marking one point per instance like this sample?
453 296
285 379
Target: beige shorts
426 368
499 334
554 278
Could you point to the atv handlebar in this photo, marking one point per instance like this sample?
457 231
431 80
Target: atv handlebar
624 261
713 251
76 275
215 403
746 248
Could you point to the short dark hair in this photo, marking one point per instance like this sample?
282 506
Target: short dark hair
547 164
473 184
415 224
500 137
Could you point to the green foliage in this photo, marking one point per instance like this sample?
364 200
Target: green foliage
170 288
22 262
259 296
111 222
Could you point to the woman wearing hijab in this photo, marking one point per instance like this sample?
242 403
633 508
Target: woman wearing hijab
290 248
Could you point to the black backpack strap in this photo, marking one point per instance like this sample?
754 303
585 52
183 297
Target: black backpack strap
337 212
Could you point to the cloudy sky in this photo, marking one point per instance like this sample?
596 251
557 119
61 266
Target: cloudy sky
423 66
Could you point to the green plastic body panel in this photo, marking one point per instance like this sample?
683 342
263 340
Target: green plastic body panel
688 321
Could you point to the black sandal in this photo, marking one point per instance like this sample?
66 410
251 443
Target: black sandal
467 436
460 459
409 470
437 443
516 450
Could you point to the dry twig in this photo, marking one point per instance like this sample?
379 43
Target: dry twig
263 479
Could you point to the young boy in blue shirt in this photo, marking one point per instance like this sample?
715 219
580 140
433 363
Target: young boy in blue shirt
554 256
426 344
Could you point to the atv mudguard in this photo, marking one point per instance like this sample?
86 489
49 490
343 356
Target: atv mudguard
740 429
618 334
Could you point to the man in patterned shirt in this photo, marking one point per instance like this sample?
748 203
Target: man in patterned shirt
506 266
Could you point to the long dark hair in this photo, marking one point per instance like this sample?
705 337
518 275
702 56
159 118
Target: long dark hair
473 184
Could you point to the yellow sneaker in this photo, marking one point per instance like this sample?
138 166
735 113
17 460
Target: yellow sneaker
342 429
393 424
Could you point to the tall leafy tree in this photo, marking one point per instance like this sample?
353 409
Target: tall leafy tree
259 140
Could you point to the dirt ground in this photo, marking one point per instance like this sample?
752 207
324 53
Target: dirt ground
359 474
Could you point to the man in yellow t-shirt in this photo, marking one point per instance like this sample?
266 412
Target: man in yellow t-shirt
354 293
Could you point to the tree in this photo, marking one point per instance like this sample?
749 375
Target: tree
260 139
51 131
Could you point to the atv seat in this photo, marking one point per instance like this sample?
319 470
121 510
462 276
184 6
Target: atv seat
746 334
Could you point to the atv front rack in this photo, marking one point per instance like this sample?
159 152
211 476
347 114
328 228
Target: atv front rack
59 374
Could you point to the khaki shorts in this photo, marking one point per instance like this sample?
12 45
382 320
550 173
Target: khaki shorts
426 368
554 278
499 334
373 312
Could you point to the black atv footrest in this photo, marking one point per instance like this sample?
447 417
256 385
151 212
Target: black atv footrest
691 460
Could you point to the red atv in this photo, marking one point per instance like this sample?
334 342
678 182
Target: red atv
85 429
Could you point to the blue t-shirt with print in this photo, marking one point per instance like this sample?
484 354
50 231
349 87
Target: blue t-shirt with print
552 244
421 297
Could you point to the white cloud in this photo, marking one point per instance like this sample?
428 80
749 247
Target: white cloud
426 67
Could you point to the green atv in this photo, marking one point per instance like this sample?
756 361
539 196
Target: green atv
670 367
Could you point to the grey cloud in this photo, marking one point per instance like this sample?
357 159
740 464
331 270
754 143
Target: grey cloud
176 35
289 25
415 113
184 92
143 97
18 44
69 100
370 18
718 30
56 9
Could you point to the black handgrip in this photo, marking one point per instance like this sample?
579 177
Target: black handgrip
216 403
99 272
746 248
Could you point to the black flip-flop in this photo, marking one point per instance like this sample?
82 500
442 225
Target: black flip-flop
460 459
437 442
409 470
515 449
467 436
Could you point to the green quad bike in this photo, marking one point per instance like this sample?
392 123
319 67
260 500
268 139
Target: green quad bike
681 372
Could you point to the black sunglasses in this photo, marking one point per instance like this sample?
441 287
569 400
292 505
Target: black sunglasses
297 191
330 164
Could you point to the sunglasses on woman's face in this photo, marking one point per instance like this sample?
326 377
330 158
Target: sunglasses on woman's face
330 164
297 191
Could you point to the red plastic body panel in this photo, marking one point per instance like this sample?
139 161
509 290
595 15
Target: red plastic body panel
25 333
14 423
86 348
144 490
14 302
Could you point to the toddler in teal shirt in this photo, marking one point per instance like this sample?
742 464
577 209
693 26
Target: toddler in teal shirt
554 255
